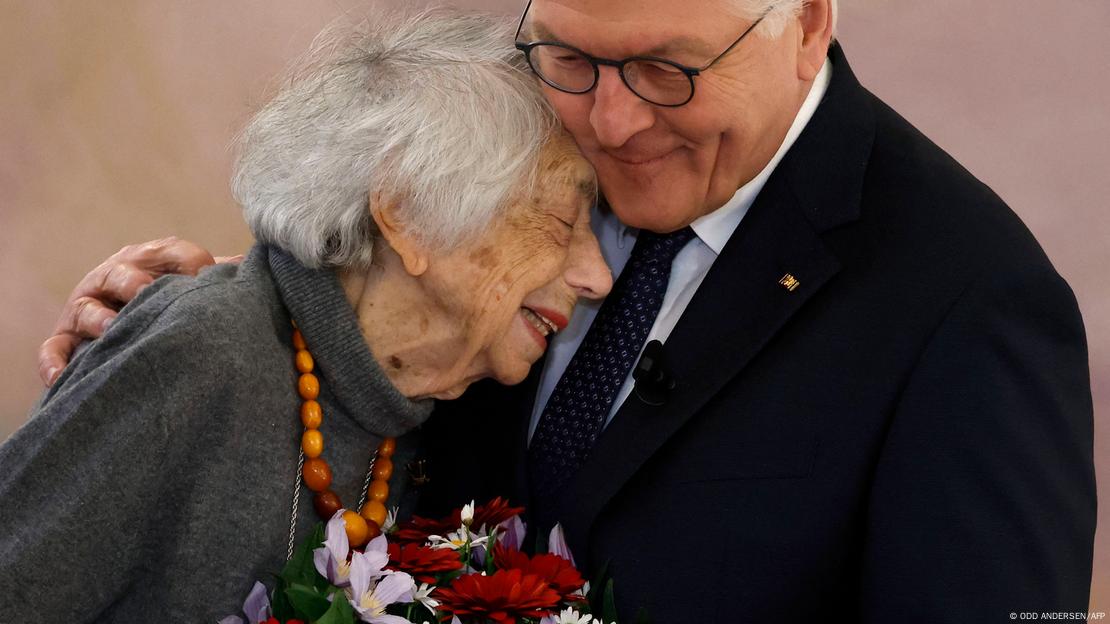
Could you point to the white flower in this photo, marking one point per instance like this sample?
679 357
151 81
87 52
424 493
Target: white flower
468 514
557 543
456 540
331 558
370 598
423 595
390 521
570 616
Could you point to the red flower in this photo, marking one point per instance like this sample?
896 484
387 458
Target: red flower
423 562
503 597
492 513
557 572
417 530
489 515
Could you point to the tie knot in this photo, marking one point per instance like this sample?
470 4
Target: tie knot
660 248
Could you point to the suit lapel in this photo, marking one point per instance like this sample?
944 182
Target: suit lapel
770 267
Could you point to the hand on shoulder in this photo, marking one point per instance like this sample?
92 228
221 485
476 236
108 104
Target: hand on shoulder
97 298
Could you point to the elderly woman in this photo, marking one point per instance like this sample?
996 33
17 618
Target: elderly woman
422 223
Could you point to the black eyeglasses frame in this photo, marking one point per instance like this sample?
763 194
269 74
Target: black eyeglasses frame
597 61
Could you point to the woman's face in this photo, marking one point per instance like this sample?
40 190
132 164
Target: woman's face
517 284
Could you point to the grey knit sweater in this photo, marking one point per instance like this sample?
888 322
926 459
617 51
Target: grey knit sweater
154 481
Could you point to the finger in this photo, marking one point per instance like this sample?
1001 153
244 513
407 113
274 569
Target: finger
167 255
54 354
229 259
120 282
85 317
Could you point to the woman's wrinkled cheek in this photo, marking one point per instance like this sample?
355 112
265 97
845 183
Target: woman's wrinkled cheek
490 271
519 251
484 257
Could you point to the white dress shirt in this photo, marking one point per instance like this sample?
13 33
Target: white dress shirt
688 270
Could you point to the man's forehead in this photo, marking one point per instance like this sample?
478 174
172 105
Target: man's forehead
664 44
650 27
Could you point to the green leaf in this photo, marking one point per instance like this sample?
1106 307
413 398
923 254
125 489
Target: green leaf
490 569
279 602
597 586
300 568
340 611
608 603
308 603
642 617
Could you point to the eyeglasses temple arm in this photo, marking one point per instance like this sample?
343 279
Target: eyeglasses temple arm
520 26
727 50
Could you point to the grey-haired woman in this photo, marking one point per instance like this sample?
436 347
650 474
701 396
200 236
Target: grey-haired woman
423 220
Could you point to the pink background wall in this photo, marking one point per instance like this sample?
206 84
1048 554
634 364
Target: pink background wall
115 120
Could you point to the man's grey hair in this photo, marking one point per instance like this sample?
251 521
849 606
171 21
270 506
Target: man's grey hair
433 111
778 12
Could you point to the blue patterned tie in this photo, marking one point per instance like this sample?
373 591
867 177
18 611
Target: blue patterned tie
582 399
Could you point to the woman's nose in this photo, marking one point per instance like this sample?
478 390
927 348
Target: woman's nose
586 271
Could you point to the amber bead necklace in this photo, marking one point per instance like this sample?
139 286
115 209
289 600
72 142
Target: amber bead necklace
314 471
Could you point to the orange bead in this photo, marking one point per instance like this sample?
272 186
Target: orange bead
326 504
373 530
383 469
298 340
378 490
311 415
386 448
304 361
312 443
357 530
374 511
309 386
316 474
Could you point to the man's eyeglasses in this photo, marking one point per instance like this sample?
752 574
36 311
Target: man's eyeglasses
660 81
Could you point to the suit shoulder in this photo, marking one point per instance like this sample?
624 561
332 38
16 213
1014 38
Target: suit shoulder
928 203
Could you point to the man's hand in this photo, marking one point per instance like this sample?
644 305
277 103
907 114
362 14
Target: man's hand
94 303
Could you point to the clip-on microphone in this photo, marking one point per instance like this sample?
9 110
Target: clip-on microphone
653 382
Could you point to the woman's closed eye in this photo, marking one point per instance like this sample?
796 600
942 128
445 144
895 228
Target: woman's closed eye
563 230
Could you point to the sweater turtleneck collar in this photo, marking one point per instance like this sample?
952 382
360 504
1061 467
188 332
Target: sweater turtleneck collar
315 299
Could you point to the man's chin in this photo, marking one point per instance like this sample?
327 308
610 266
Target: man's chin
660 206
649 213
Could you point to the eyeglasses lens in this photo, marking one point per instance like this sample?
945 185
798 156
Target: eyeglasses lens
563 68
658 82
569 70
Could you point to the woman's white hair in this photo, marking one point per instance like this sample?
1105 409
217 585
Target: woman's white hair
433 111
778 13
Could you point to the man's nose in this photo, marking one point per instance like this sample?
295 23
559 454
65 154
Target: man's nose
586 271
617 113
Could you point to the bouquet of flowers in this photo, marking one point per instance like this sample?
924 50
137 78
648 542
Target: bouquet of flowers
466 568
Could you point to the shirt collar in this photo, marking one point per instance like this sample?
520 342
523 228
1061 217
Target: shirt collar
715 228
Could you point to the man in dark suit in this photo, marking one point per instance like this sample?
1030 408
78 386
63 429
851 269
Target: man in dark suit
869 397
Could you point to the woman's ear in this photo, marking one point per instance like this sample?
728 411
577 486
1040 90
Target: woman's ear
413 254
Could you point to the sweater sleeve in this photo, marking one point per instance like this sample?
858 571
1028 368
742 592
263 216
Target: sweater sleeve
84 482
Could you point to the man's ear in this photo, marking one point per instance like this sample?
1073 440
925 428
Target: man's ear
413 254
817 23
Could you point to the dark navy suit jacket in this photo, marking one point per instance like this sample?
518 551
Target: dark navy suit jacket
906 436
